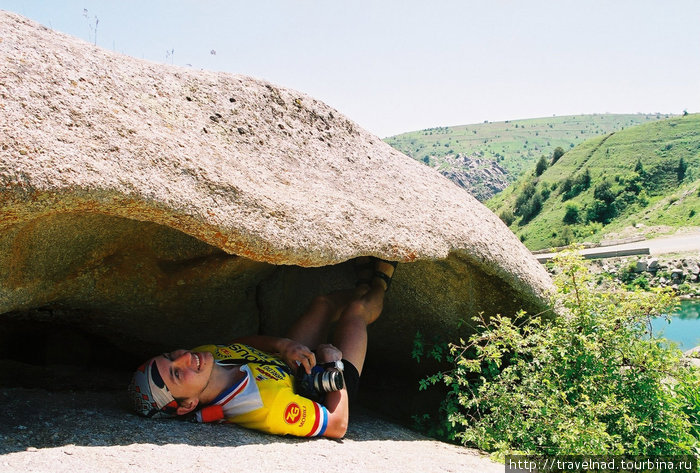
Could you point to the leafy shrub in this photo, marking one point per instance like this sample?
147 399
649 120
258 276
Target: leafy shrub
541 166
583 181
524 196
566 187
643 198
528 203
640 282
589 381
572 216
573 187
604 192
558 153
601 212
531 208
680 171
688 399
507 216
633 183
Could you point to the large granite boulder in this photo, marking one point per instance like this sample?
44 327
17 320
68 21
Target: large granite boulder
159 206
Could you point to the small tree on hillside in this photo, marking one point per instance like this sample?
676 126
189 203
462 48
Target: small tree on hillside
604 192
541 166
583 181
565 188
603 209
558 153
572 215
531 208
524 197
507 216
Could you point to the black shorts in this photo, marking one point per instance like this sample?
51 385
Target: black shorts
352 379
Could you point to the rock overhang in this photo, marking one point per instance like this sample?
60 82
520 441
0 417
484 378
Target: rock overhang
259 193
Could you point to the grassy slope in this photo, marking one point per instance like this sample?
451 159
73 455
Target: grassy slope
515 144
659 146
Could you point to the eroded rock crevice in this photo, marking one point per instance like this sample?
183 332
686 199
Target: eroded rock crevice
142 285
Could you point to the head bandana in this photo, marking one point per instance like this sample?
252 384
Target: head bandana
149 393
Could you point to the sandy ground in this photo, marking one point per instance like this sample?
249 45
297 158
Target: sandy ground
81 431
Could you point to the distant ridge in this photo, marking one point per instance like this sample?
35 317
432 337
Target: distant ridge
485 158
642 180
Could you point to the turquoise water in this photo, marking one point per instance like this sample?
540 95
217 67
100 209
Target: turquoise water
684 328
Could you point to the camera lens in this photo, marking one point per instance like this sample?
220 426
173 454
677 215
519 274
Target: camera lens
328 380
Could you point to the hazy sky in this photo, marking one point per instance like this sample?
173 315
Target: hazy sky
395 66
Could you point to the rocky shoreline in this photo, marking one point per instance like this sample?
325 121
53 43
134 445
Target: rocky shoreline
682 274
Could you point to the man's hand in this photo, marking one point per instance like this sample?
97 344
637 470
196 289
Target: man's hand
327 352
294 354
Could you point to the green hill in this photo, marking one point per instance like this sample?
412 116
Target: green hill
514 145
646 175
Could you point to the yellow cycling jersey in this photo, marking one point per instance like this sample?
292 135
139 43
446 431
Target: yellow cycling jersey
264 398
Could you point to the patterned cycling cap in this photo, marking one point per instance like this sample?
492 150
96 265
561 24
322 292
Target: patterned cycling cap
149 393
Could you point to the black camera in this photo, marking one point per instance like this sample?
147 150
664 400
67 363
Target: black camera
323 378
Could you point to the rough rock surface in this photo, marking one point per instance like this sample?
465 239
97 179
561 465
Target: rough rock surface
160 206
482 178
77 432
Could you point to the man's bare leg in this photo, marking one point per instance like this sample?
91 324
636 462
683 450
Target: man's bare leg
350 338
353 309
311 328
350 335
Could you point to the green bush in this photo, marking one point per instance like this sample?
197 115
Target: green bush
565 189
558 153
531 208
684 288
572 215
525 195
640 282
591 380
507 216
601 212
688 400
573 187
604 192
541 166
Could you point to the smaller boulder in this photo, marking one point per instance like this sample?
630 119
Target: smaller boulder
677 274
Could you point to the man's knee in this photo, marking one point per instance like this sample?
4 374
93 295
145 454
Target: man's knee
323 301
359 309
326 305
